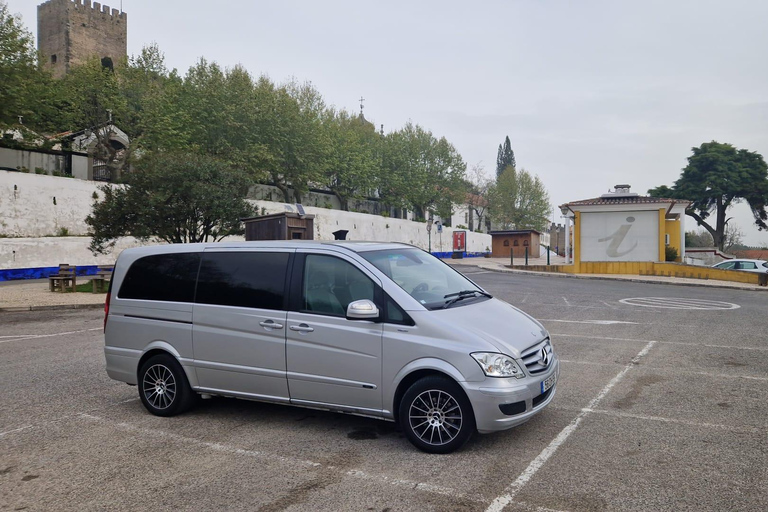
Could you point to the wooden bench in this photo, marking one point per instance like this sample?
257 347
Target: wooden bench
65 279
102 277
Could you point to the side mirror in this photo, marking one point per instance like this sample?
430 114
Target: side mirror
362 310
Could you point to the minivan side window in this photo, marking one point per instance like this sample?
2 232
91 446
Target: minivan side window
167 277
243 279
330 284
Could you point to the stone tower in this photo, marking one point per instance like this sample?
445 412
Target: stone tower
69 32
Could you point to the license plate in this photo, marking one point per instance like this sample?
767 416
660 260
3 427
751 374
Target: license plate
548 382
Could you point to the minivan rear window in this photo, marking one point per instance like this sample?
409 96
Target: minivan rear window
165 277
243 279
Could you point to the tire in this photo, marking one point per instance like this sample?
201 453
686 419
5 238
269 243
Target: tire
163 386
436 415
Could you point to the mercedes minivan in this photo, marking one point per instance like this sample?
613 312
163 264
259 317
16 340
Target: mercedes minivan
384 330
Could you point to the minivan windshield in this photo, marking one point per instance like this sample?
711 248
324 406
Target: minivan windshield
427 279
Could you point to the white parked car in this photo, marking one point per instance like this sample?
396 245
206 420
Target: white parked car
759 266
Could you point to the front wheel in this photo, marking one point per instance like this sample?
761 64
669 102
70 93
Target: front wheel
436 415
163 386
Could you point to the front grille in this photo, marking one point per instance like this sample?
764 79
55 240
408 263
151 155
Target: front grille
536 401
532 357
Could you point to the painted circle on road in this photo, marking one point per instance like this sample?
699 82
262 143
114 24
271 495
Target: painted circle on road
679 303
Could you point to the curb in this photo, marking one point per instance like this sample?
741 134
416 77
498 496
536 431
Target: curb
56 307
631 280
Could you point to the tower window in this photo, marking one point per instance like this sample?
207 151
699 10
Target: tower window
106 62
53 59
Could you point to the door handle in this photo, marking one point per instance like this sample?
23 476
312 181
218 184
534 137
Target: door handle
269 324
303 328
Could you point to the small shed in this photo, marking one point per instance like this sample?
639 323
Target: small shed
280 226
504 243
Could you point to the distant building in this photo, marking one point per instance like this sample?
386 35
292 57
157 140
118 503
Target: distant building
69 32
622 226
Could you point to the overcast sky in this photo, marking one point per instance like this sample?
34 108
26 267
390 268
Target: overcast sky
591 93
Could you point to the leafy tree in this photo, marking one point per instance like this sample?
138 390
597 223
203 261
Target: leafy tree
717 176
172 197
354 165
698 238
519 200
423 173
505 157
23 84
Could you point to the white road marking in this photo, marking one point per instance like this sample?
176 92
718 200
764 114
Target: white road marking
66 417
38 336
16 430
679 303
609 305
676 370
291 461
597 322
566 302
505 499
684 343
729 428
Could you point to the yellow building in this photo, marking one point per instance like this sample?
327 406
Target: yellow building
619 230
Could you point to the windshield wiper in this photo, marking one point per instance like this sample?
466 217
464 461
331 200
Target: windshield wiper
464 294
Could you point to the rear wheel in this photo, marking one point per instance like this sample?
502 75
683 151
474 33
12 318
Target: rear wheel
436 415
163 386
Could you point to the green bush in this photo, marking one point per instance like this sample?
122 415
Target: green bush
670 253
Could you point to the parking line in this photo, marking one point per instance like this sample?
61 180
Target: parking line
38 336
729 428
677 370
291 461
596 322
505 499
685 343
16 430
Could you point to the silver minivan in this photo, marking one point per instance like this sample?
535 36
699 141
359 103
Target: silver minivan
384 330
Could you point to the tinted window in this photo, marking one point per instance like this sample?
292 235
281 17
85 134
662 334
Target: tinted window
168 277
748 265
330 284
244 279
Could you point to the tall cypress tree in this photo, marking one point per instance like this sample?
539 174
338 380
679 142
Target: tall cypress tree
505 157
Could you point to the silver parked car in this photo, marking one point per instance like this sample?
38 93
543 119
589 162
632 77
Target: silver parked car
383 330
758 266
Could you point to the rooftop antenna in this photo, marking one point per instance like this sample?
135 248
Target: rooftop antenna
361 105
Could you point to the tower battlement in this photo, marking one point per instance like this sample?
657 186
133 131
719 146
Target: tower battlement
96 7
69 32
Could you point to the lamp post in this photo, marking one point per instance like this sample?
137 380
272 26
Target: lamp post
429 234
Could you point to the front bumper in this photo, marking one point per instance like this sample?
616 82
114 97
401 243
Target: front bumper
487 396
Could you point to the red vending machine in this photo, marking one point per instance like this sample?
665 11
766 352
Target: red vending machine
459 244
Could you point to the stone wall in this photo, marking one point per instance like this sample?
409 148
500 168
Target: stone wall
34 208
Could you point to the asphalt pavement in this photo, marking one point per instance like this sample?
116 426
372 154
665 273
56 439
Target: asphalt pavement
660 406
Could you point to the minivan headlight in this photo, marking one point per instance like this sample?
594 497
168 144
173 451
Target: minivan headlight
498 365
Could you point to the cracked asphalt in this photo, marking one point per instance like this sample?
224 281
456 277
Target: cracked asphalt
661 405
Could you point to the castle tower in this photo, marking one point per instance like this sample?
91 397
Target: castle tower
69 32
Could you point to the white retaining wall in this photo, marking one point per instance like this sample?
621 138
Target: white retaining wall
30 219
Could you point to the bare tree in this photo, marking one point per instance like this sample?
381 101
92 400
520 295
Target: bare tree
733 237
477 197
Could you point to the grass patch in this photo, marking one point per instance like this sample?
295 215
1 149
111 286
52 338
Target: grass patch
87 287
